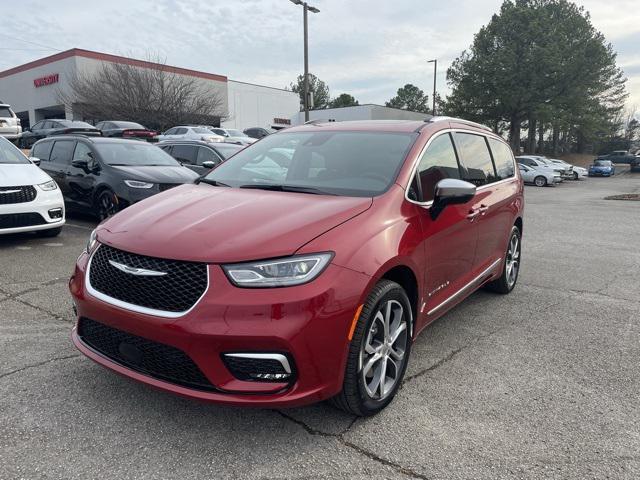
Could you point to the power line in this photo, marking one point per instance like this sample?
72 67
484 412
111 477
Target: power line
30 42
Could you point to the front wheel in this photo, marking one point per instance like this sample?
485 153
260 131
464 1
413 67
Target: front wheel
575 175
540 181
106 204
511 264
378 352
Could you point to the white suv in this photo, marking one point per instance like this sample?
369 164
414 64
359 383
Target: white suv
9 124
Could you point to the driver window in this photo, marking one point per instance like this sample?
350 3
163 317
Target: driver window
439 161
83 152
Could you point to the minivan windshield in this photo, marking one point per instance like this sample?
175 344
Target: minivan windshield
347 163
134 154
10 154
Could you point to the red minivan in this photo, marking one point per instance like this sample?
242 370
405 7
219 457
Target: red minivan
302 268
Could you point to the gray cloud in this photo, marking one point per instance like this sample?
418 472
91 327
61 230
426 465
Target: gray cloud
366 48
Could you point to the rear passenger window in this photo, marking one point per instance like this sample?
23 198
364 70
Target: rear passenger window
62 152
477 167
438 161
42 150
185 153
502 158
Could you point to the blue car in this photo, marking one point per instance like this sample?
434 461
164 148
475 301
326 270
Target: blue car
603 168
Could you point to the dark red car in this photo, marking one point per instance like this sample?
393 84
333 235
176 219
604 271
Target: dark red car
126 130
302 268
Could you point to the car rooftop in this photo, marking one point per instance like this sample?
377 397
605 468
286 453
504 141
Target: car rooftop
407 126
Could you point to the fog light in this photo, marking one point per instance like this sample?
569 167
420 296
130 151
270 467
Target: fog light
55 213
260 367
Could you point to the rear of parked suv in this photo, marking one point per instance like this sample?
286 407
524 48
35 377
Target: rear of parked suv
302 268
9 124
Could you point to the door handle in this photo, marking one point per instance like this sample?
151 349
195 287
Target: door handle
473 213
483 209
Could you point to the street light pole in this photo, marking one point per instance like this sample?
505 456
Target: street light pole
435 72
306 8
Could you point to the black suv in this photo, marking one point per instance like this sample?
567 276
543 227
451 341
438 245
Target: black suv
104 175
47 128
197 155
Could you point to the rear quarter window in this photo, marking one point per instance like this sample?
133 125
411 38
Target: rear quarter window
502 158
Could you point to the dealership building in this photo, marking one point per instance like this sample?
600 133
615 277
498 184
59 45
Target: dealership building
33 90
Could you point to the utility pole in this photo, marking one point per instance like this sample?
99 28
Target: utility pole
306 8
435 72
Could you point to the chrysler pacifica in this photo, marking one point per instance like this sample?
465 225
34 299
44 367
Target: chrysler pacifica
304 267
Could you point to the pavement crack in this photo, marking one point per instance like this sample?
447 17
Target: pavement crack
39 364
438 364
352 446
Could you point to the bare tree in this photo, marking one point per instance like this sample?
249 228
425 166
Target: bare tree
154 96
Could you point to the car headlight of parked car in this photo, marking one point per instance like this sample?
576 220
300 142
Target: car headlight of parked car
138 184
48 186
278 273
92 243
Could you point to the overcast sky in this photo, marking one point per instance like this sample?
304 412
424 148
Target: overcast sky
363 47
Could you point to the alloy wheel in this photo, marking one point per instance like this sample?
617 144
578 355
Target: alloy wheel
513 260
540 182
107 205
382 356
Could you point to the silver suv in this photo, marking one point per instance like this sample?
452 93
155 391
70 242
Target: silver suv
9 124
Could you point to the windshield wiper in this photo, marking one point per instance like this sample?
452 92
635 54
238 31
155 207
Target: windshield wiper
286 188
215 183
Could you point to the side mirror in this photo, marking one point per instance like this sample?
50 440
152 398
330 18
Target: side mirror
208 164
35 161
451 191
81 163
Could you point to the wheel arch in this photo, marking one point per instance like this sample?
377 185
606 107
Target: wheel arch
406 278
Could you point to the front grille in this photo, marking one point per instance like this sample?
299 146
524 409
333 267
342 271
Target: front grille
167 186
17 220
177 291
145 356
22 194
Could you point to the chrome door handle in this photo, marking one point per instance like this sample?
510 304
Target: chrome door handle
473 213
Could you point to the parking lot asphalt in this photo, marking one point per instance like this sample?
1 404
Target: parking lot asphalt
542 383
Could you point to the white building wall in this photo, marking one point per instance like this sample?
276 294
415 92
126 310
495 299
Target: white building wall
258 106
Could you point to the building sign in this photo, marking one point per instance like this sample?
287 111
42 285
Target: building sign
48 80
282 121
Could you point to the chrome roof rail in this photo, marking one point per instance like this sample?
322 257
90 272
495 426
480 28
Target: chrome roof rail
459 120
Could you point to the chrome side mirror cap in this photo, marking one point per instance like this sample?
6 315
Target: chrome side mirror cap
451 191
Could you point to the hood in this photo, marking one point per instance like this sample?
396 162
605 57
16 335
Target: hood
160 174
224 225
13 175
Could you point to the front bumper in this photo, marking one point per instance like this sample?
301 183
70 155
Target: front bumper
309 323
43 203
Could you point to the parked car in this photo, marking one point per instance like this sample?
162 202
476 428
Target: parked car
9 124
197 155
187 132
256 132
126 130
30 201
102 176
540 177
232 135
247 289
47 128
576 172
538 163
602 168
620 156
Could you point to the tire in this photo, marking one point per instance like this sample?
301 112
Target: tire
360 395
50 232
106 204
540 181
576 176
509 277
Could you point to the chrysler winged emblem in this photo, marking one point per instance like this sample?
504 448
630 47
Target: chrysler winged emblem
140 272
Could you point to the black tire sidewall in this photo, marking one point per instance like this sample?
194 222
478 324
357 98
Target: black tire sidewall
394 292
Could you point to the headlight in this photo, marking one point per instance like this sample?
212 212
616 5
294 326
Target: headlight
92 243
285 272
48 186
138 184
